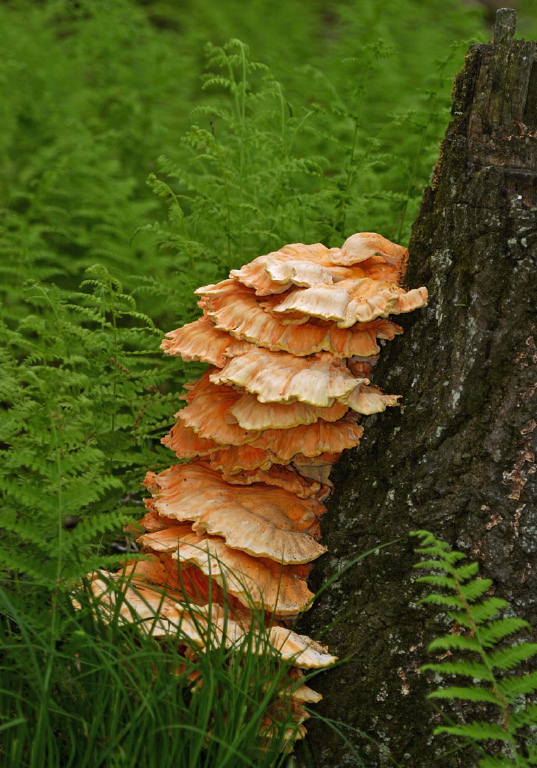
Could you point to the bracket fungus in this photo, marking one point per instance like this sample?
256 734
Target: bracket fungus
291 338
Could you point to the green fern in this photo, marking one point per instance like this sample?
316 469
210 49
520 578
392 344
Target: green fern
493 655
83 409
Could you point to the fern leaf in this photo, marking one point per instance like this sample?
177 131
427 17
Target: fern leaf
468 694
98 524
490 634
471 669
466 571
433 565
478 614
454 642
463 618
516 686
488 609
475 589
477 731
447 600
41 570
497 762
508 658
438 581
527 716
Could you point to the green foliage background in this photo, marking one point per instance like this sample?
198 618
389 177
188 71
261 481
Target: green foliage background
143 154
134 148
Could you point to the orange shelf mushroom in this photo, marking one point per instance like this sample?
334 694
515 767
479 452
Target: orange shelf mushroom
291 338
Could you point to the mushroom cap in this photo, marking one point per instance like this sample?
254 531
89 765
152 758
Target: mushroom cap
239 312
301 650
273 276
282 476
180 581
208 414
345 303
199 340
411 300
376 267
311 440
216 289
201 625
273 446
274 524
162 613
263 533
317 468
362 367
306 694
305 266
153 570
280 377
281 446
235 459
363 245
255 416
255 274
151 522
203 385
186 444
304 652
159 570
166 540
142 604
352 301
228 417
252 580
368 400
297 272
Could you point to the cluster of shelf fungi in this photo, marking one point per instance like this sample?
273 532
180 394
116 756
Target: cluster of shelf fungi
231 531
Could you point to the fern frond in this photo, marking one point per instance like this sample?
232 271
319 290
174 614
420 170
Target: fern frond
497 762
490 634
508 658
482 630
454 642
437 565
526 717
29 564
471 669
446 600
98 524
488 609
517 686
466 571
438 581
476 731
468 694
474 589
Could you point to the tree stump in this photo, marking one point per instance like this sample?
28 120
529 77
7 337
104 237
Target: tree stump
458 457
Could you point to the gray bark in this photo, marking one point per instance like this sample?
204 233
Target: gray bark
458 458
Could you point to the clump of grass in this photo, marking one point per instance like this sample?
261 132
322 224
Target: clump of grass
85 689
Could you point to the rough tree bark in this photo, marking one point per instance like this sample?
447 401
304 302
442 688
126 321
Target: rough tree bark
458 458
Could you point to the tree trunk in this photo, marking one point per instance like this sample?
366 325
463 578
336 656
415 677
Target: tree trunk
457 458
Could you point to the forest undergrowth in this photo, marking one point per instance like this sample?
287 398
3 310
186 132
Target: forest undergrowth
139 162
